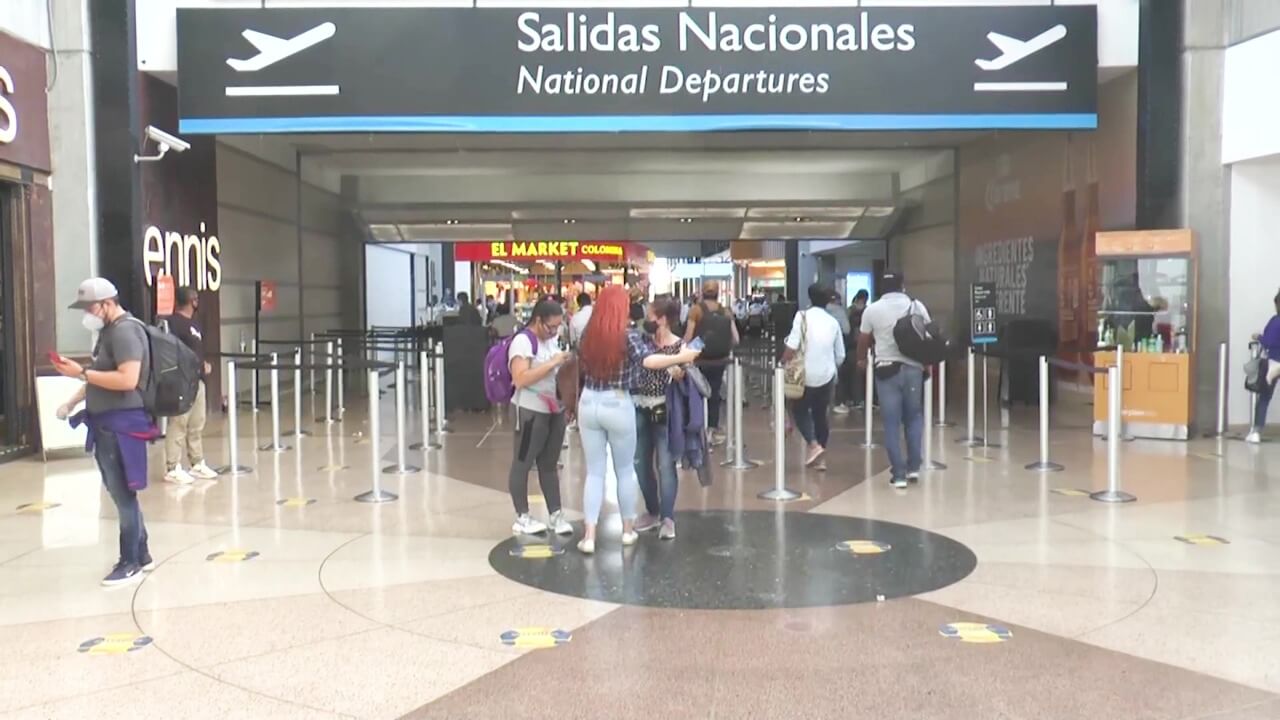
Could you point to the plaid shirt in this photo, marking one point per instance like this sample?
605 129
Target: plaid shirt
639 346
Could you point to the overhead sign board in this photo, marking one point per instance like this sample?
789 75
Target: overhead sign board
636 69
540 250
982 303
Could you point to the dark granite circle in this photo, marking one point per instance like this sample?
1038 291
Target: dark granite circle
750 560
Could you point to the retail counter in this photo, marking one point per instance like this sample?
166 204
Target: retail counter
1156 394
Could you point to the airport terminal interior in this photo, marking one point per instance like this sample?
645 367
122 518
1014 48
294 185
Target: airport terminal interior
1091 531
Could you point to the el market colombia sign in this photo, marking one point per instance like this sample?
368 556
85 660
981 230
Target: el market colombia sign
636 69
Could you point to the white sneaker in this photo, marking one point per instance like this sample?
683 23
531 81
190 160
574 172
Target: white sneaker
840 409
203 472
630 538
525 525
178 476
587 547
1254 437
559 524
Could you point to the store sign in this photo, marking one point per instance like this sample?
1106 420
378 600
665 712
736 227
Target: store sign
982 304
541 250
267 296
636 69
24 120
193 259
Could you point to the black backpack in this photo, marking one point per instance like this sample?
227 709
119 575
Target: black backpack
716 331
918 340
173 378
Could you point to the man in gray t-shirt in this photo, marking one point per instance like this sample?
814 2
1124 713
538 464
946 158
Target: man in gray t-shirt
122 340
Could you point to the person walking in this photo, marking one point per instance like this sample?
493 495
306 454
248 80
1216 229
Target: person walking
504 324
1270 370
467 313
184 435
118 424
852 385
580 319
612 355
713 323
655 463
816 336
899 380
535 357
839 393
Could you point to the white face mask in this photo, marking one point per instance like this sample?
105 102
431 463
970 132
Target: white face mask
92 322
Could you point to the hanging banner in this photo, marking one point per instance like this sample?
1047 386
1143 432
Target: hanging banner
540 250
529 69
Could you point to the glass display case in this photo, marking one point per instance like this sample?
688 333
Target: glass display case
1147 306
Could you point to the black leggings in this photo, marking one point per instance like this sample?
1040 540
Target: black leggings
538 442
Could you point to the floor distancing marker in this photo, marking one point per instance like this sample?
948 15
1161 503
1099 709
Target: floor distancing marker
980 633
232 556
864 547
38 507
535 638
114 644
1198 539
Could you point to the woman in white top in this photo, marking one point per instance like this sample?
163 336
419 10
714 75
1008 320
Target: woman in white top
815 333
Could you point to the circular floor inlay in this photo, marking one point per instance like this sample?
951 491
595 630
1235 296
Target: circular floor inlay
745 561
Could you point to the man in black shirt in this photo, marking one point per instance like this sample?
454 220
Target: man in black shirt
185 433
467 313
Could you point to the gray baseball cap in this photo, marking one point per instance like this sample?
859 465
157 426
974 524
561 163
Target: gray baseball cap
93 290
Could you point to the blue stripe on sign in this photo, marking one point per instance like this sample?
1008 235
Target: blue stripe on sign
639 123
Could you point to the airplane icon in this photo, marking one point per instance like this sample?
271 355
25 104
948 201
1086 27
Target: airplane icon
272 49
1014 50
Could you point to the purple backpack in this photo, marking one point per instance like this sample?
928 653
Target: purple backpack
498 385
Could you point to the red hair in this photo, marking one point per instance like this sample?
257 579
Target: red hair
602 349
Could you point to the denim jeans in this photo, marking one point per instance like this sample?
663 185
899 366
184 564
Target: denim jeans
607 422
133 533
653 452
811 414
902 406
1264 402
714 372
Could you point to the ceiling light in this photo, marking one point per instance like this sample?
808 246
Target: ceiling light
800 218
569 221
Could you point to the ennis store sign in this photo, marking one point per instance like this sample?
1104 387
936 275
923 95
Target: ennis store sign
637 69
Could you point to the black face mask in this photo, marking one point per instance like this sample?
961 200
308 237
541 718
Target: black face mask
651 327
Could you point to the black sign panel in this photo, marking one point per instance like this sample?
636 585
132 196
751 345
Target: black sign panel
982 301
642 69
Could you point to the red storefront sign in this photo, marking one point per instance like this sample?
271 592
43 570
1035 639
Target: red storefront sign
543 250
165 292
267 296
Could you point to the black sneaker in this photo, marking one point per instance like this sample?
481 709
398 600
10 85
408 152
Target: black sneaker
147 563
123 574
899 483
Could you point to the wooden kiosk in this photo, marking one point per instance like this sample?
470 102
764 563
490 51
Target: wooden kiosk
1147 283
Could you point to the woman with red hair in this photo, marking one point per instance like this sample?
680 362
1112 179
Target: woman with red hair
611 355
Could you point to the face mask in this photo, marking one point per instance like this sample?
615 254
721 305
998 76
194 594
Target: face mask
92 322
651 327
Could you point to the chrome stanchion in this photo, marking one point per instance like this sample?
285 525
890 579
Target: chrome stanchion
1043 465
740 461
942 396
441 424
233 466
328 385
1113 493
780 491
424 388
342 374
275 445
972 439
253 391
868 416
986 399
1222 390
1120 368
928 461
311 352
731 399
297 394
377 494
402 467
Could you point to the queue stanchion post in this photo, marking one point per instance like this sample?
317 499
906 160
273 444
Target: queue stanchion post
928 462
1044 464
1120 352
377 494
868 406
731 397
253 390
342 374
441 423
311 373
780 491
1222 390
402 466
275 445
941 419
740 461
328 385
424 389
297 394
233 466
971 405
986 401
1115 395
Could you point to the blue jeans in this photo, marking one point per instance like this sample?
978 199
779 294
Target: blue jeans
133 533
810 412
607 421
653 451
1264 402
902 405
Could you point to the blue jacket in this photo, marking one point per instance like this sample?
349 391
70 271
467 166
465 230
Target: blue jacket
686 422
133 429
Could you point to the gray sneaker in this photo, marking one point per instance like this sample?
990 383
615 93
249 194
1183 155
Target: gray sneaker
668 531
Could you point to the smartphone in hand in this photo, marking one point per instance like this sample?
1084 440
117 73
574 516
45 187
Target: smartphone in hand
696 344
55 358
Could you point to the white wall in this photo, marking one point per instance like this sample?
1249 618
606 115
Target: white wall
29 19
1251 99
1255 216
388 291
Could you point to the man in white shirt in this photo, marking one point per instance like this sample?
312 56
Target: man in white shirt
578 324
823 346
899 379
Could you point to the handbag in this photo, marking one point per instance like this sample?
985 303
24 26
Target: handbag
793 372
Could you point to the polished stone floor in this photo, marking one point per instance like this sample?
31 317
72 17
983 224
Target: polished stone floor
986 591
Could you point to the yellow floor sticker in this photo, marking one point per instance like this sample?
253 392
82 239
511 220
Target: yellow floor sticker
1070 492
536 552
232 556
1198 539
978 459
295 502
38 507
864 547
114 644
535 638
976 632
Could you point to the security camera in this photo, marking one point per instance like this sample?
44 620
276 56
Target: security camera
164 143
